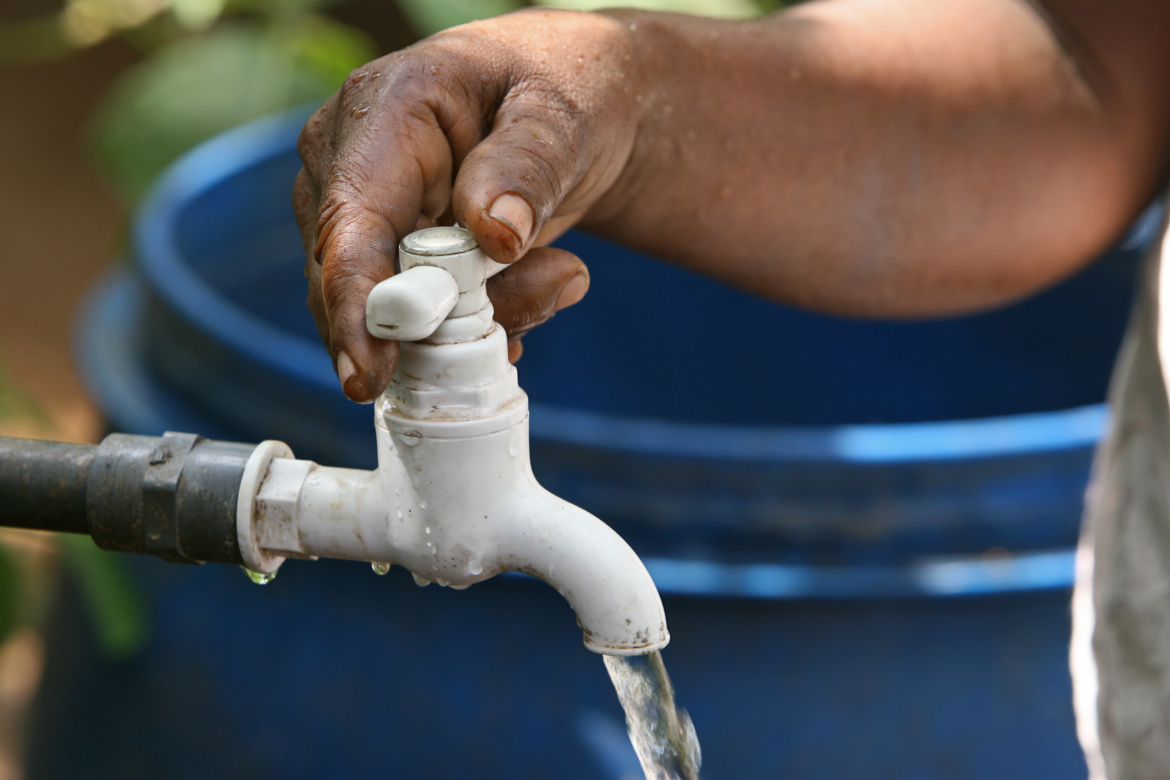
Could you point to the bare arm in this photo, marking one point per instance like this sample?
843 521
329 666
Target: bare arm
879 158
894 159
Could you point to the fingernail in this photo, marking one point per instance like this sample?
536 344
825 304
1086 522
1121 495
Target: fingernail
346 371
515 214
573 291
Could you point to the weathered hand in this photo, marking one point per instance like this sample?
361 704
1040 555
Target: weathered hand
513 127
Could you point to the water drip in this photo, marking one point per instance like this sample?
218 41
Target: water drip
258 577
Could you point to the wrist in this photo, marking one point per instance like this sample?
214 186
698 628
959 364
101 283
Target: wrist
658 77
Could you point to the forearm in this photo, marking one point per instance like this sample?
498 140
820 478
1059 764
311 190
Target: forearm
892 159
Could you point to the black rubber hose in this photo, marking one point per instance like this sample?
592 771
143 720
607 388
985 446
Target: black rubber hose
174 496
42 484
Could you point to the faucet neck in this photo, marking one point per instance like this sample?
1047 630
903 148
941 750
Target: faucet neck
462 374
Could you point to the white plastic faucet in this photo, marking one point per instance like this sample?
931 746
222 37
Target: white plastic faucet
453 499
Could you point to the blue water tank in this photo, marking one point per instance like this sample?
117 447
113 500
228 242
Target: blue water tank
863 535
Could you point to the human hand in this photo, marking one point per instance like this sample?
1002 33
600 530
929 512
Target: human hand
515 128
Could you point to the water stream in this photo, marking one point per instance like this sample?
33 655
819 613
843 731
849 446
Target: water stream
663 735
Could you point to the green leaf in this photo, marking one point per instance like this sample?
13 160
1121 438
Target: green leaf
110 595
325 48
11 593
430 16
198 87
729 9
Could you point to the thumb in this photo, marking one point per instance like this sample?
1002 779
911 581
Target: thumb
534 164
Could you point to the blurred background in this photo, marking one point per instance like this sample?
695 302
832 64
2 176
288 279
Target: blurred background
881 514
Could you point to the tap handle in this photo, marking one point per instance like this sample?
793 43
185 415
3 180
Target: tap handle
443 272
412 304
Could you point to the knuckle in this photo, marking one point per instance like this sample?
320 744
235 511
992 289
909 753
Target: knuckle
349 238
356 84
352 246
340 198
345 287
545 170
457 45
312 138
304 198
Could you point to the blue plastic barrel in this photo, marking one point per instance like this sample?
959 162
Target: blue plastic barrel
863 531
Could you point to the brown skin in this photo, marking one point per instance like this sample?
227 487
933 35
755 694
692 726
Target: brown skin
896 159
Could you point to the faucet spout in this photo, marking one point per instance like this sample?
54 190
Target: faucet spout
591 566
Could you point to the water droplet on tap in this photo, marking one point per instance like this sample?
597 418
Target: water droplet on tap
422 504
475 567
380 568
259 577
514 448
427 529
422 582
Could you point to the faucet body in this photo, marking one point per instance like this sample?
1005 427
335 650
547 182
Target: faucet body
454 498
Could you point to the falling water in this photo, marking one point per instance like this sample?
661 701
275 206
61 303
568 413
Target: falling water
663 735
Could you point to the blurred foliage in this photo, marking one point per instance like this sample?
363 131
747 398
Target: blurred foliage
263 57
26 580
12 594
15 402
110 594
729 9
195 88
208 65
430 16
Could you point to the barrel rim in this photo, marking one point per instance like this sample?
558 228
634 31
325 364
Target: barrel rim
115 305
161 263
1034 571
